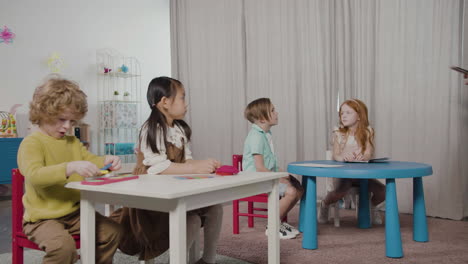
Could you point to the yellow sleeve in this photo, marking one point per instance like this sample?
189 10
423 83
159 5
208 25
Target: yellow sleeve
31 162
88 156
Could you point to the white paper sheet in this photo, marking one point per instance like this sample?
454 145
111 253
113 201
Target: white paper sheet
377 160
319 165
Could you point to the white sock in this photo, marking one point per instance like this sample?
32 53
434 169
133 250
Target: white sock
193 228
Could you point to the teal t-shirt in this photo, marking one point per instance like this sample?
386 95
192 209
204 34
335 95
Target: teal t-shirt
257 143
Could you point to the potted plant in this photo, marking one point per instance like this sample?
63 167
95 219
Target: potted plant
126 96
116 95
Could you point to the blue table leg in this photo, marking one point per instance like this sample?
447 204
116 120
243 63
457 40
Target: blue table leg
393 245
302 205
309 239
420 233
363 210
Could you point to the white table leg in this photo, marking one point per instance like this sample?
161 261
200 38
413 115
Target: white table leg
273 225
178 233
87 233
109 209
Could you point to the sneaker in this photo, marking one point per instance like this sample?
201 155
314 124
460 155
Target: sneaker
323 213
291 229
376 217
283 233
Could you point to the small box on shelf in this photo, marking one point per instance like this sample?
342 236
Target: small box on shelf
81 131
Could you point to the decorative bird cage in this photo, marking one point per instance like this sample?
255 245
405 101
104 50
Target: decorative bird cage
119 93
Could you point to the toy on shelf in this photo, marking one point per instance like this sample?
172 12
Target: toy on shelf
81 131
123 68
8 125
8 122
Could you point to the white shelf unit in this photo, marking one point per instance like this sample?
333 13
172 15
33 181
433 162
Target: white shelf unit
119 95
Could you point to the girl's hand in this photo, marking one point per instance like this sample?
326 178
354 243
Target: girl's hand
349 157
83 168
115 160
359 157
205 166
217 163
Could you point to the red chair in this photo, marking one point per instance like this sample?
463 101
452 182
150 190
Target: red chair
19 239
260 198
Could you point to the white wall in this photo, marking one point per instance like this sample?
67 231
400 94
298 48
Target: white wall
76 29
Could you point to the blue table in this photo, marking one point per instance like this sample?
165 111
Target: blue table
365 171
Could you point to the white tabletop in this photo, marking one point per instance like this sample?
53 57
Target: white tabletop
167 193
169 187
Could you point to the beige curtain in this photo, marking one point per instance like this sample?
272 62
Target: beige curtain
229 53
418 100
307 56
208 54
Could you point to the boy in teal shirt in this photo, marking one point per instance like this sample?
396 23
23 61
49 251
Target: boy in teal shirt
259 155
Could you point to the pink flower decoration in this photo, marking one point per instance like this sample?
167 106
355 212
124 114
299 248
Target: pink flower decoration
6 35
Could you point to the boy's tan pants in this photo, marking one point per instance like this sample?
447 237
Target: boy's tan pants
54 236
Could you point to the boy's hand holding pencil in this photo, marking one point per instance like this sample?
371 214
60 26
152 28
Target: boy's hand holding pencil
83 168
88 169
114 161
105 169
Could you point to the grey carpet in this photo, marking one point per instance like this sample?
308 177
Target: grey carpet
35 256
448 242
346 244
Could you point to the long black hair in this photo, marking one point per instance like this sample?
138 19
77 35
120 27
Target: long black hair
157 89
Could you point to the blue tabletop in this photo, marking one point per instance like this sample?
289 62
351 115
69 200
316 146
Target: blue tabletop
384 170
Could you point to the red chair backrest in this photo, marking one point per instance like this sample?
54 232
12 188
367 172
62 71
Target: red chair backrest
237 161
17 191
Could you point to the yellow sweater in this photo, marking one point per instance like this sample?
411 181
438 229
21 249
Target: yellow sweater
43 162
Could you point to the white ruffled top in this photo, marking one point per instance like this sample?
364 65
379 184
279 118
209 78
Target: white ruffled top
159 162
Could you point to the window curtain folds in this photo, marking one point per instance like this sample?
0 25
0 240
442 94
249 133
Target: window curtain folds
310 55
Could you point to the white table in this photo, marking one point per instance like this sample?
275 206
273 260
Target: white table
165 193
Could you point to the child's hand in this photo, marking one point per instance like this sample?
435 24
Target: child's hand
358 156
217 163
205 166
115 160
83 168
349 157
